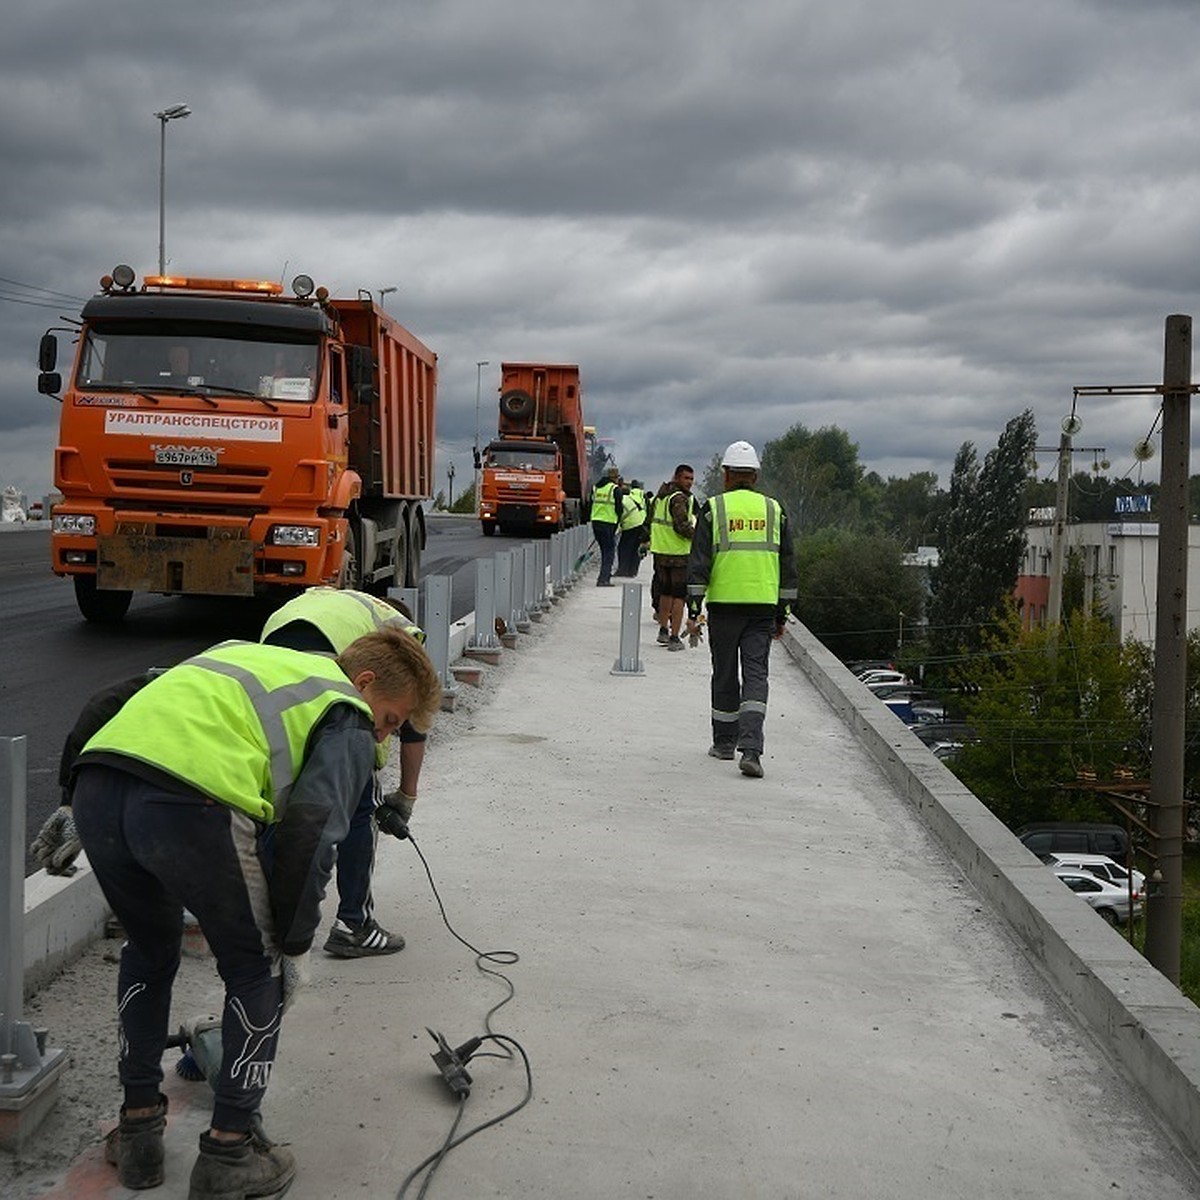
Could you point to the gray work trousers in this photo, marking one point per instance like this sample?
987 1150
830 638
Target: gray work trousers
739 698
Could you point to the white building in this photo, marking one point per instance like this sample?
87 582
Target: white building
1120 565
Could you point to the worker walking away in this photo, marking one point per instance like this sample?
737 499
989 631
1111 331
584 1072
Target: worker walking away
325 621
606 513
632 525
170 799
743 567
671 528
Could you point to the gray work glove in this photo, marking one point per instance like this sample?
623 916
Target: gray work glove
294 969
402 803
57 845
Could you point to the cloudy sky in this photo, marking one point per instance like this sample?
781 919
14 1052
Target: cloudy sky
907 220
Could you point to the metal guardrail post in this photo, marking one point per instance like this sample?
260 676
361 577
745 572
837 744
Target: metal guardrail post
28 1070
558 544
520 612
628 662
484 637
436 623
534 572
410 598
504 600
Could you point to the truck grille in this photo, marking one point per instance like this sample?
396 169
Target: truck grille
141 477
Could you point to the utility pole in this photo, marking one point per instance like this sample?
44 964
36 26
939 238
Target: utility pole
450 478
1164 918
1164 892
1059 544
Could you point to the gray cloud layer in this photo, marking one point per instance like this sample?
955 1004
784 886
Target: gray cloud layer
911 222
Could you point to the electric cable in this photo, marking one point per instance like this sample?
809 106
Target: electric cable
510 1045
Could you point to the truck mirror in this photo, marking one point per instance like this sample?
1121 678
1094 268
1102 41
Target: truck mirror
47 352
49 383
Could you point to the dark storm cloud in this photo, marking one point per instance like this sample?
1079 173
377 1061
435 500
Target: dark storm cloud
910 221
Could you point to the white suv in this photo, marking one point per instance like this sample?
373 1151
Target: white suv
1099 865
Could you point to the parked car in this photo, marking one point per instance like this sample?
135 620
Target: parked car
928 712
900 691
861 666
932 732
1075 837
1110 901
885 678
1099 865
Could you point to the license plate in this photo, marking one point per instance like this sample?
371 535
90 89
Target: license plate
185 456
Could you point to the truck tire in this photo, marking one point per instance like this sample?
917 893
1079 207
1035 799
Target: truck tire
100 607
517 405
412 574
489 528
350 575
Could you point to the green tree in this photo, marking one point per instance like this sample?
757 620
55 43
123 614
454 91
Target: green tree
817 477
980 538
1046 708
908 508
853 588
464 502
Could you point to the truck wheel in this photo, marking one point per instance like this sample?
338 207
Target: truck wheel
349 576
100 607
489 528
517 404
412 574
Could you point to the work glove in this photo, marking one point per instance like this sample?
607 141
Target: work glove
294 970
57 845
393 815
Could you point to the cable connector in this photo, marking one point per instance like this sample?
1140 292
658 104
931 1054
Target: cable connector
453 1062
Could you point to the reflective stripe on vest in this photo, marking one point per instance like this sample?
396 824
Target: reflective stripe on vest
663 537
745 566
604 507
243 744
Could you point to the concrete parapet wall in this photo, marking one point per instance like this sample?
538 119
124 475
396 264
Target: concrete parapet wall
1149 1027
63 915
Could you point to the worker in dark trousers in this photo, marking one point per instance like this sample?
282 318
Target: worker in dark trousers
606 515
170 799
325 621
743 567
632 526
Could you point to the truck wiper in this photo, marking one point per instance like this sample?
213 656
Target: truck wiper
235 391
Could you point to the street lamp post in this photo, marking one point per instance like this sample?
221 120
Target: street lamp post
450 478
173 113
478 390
385 292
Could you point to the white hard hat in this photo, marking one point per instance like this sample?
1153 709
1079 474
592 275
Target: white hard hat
740 456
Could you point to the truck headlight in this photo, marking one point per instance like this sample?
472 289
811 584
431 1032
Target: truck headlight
75 523
295 535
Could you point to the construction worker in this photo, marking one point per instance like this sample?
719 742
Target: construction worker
325 621
606 514
671 528
742 565
170 799
632 525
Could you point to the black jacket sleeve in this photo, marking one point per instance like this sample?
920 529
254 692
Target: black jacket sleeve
337 768
700 561
97 712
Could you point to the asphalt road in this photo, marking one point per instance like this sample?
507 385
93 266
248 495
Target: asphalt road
53 660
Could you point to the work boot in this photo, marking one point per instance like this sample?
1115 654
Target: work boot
135 1148
723 752
750 764
675 642
664 635
368 939
254 1166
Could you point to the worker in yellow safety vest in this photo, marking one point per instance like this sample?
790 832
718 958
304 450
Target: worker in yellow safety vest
743 567
606 515
632 526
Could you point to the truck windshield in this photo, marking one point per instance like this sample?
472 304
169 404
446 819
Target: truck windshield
161 360
534 460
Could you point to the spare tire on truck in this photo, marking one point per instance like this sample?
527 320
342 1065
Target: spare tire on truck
517 405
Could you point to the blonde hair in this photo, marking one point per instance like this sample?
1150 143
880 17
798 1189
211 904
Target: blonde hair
401 668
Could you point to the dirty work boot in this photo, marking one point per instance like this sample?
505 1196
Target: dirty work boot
750 764
368 939
664 635
254 1166
135 1148
723 752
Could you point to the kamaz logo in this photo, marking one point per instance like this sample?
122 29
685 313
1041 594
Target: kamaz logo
187 478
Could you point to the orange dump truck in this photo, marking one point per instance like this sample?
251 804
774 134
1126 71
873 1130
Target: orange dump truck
534 475
219 438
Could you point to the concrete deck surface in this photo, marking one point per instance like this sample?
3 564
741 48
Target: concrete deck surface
726 988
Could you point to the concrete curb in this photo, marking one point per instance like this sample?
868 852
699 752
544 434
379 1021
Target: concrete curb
1150 1028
